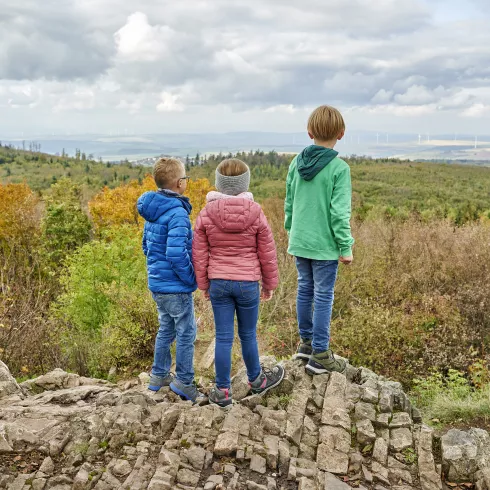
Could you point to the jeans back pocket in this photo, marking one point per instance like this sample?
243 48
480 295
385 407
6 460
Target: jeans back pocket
249 289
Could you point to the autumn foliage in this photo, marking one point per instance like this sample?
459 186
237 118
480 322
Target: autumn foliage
18 211
116 207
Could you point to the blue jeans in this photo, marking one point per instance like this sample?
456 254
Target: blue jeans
176 318
228 297
316 281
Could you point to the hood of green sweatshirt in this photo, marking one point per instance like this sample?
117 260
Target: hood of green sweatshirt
313 159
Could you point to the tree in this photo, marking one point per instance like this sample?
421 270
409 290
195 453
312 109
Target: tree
197 160
65 226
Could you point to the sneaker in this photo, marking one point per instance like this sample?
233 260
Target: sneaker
305 350
157 382
325 362
187 392
221 396
267 379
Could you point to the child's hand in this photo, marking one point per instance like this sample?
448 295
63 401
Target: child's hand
266 295
346 260
206 295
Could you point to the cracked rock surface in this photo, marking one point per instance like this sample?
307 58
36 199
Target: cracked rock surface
330 432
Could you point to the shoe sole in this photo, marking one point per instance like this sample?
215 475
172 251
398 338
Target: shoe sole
228 404
197 401
271 386
315 370
302 356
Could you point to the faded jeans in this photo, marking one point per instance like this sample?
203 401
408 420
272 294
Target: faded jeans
176 318
316 281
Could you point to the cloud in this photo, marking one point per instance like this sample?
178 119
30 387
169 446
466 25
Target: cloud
279 57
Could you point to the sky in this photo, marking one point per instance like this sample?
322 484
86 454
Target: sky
186 66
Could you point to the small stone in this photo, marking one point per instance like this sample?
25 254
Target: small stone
230 469
258 464
400 439
380 473
47 466
368 476
365 411
386 400
226 444
188 477
121 468
255 486
213 481
355 462
380 451
333 483
416 416
365 432
370 395
382 420
400 419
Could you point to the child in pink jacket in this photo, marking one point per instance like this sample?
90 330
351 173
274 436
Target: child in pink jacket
233 250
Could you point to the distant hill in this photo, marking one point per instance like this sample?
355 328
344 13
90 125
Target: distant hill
40 170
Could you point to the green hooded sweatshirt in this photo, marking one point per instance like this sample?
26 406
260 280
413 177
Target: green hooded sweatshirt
318 205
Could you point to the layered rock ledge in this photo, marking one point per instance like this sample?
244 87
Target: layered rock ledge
330 432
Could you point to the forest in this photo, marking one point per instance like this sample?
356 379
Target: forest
414 306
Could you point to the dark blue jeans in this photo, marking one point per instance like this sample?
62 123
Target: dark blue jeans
176 318
228 297
316 281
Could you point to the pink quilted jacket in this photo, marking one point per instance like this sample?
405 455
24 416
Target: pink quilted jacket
232 240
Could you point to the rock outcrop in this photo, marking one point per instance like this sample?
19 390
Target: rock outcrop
330 432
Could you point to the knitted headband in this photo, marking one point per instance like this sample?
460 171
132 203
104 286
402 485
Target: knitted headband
232 185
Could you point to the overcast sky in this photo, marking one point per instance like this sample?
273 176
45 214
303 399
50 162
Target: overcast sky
220 65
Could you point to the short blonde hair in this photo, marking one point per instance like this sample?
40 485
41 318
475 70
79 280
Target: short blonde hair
167 171
232 167
325 123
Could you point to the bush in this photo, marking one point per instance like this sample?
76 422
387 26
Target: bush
105 306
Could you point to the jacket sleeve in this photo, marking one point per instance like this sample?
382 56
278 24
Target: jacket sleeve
340 212
266 249
200 254
144 244
177 254
288 203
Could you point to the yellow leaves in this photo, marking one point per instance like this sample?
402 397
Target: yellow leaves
197 191
116 207
18 214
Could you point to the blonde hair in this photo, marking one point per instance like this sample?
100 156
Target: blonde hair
167 171
325 123
232 167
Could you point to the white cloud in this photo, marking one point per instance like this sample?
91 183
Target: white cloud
101 57
170 103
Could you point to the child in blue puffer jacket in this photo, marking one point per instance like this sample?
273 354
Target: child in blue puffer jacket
167 244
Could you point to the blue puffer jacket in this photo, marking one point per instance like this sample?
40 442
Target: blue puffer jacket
167 242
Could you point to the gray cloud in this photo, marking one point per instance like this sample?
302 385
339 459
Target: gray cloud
145 57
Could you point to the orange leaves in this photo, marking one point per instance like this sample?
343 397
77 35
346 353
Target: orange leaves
196 192
115 207
18 215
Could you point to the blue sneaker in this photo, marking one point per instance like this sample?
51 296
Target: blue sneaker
187 392
157 382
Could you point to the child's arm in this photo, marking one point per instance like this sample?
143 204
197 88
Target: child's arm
340 212
144 244
200 255
266 250
177 254
288 203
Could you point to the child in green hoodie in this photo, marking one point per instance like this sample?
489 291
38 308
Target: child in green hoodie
318 210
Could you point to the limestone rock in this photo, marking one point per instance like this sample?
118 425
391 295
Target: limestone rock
8 385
